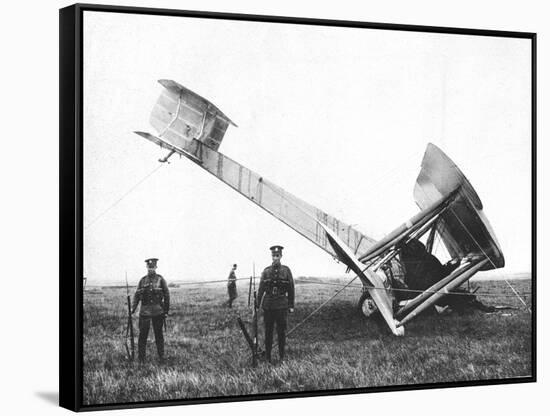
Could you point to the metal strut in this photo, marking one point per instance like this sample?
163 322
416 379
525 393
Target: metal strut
165 158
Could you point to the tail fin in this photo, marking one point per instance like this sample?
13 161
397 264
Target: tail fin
181 115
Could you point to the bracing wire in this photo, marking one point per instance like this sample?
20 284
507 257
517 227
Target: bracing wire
483 251
319 307
106 210
356 286
487 256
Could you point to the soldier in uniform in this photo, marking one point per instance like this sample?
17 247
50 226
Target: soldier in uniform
232 286
276 297
152 292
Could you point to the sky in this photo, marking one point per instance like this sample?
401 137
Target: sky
339 117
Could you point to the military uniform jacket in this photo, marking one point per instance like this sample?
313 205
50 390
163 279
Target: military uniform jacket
232 284
276 289
231 279
152 292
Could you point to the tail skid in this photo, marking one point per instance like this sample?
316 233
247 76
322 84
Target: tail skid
167 145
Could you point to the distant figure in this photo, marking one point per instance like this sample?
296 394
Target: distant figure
153 293
232 286
276 297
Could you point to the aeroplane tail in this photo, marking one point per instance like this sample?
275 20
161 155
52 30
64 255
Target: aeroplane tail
191 126
181 115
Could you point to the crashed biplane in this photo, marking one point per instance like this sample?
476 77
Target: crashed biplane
401 276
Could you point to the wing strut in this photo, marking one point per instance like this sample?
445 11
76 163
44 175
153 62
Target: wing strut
408 228
165 158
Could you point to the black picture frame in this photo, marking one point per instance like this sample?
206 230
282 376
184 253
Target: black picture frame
71 198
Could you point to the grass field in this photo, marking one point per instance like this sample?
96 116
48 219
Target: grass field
207 355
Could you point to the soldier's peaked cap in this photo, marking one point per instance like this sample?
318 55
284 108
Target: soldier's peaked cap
276 249
151 262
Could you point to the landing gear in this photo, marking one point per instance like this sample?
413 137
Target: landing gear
366 305
368 308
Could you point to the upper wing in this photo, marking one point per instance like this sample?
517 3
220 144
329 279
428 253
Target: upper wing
463 227
449 203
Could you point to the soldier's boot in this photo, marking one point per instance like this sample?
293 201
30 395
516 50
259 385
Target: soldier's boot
268 354
281 340
141 355
281 350
268 346
144 324
160 352
158 323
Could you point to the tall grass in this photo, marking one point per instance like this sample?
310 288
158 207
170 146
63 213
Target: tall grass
207 356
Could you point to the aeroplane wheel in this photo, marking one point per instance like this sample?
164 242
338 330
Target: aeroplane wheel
366 305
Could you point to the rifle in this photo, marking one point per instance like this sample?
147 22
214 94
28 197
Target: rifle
252 341
165 323
249 290
129 326
254 321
